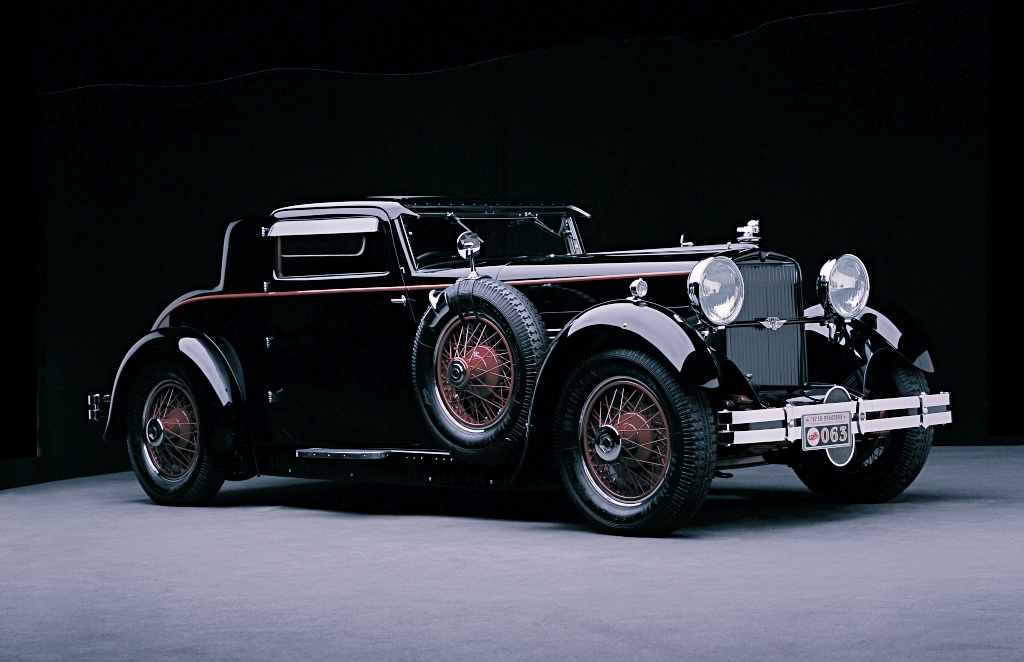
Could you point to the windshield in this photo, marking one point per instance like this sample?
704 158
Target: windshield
432 238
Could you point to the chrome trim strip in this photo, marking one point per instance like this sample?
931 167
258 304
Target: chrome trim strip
351 276
361 453
407 452
941 418
388 206
578 279
341 454
754 436
908 402
890 423
342 225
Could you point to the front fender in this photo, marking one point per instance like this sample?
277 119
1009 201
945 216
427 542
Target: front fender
640 322
629 324
874 330
213 361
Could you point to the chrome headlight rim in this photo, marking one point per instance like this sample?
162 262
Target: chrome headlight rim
827 276
693 288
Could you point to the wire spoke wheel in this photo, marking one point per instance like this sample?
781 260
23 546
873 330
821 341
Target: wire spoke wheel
168 441
171 437
474 371
634 443
625 440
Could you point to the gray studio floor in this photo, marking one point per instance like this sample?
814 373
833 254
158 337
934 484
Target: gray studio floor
285 569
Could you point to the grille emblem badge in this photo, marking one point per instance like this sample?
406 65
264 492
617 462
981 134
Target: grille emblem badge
773 323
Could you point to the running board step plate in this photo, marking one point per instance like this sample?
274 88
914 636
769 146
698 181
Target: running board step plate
359 453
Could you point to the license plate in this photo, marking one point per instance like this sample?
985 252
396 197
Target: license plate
830 430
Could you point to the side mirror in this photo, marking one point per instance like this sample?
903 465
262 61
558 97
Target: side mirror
469 245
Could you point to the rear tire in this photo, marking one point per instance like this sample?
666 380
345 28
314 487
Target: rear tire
881 468
167 440
635 446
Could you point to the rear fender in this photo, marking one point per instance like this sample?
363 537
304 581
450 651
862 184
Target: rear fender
211 364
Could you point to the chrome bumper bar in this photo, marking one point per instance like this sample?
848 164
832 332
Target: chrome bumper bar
757 426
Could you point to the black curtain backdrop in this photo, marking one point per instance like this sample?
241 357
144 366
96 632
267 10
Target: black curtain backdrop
853 131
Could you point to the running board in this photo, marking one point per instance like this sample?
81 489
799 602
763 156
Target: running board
360 454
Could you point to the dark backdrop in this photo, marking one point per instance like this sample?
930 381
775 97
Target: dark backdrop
848 131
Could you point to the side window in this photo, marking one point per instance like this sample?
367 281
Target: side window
305 254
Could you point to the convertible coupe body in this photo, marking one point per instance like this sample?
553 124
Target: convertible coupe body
430 341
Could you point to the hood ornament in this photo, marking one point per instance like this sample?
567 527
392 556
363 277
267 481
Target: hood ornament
773 323
750 231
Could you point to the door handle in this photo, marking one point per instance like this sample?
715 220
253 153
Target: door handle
400 300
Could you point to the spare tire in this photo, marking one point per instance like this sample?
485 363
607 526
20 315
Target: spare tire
475 362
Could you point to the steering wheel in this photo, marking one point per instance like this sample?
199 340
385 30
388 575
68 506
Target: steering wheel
422 257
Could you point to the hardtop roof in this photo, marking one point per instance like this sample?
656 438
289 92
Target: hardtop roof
395 206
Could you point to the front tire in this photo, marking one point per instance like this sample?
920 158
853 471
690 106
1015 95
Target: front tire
882 467
635 445
166 440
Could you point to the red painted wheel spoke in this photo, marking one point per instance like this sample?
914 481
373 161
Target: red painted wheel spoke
161 407
635 428
626 401
175 452
187 450
499 370
641 464
171 433
489 378
650 448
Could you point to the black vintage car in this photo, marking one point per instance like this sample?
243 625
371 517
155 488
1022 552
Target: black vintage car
424 341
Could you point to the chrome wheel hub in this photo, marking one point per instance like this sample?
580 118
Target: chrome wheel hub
154 432
457 373
608 443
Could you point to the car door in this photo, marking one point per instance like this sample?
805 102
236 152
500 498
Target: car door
341 336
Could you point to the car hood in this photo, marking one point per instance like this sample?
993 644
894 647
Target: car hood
672 261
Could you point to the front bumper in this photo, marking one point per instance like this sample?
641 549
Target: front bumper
782 424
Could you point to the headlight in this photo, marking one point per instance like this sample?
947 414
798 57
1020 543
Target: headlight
715 287
843 286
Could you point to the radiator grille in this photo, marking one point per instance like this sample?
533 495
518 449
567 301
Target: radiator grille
774 358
